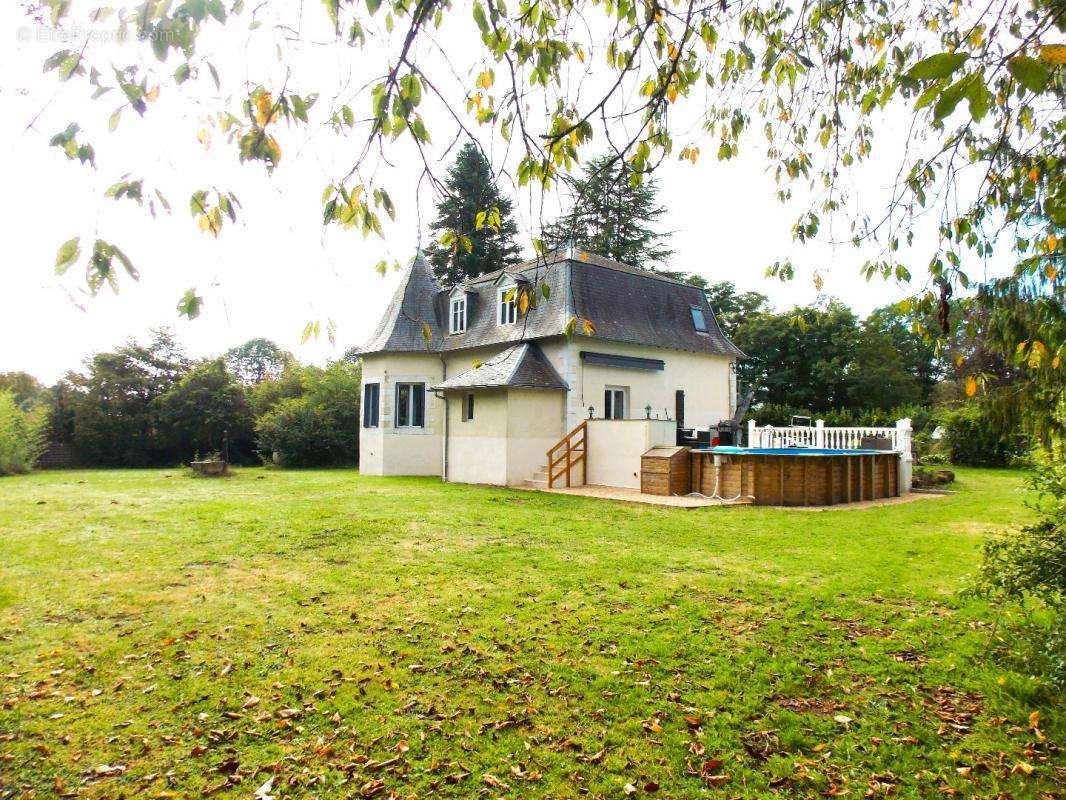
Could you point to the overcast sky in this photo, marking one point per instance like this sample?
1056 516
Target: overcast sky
277 268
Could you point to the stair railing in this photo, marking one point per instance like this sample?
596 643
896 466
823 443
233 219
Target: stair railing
574 447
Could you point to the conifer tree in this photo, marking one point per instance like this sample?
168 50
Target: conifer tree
613 217
472 215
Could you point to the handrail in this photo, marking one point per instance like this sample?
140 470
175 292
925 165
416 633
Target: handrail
567 456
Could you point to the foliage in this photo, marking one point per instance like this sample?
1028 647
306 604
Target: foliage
923 419
612 215
1030 565
474 222
970 89
730 307
320 426
114 402
800 356
256 360
290 383
21 435
26 390
291 618
205 411
877 374
973 436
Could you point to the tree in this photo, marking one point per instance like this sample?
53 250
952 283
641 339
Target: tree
204 412
114 420
25 389
799 358
613 216
877 375
319 426
474 221
256 360
817 83
731 308
911 334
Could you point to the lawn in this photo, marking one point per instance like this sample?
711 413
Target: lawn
323 634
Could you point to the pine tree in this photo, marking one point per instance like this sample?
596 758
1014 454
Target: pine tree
472 189
612 217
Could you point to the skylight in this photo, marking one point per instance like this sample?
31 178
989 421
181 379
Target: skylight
698 320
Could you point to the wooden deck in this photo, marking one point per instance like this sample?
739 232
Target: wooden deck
635 496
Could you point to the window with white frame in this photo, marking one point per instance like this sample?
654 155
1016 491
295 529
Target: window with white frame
410 405
468 407
614 402
507 302
371 404
458 314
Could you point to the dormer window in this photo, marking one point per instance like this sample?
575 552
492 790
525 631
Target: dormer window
457 317
699 322
507 304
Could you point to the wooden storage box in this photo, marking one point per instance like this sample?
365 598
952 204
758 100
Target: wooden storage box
666 471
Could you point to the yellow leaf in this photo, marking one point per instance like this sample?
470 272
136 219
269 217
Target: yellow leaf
205 138
152 94
1054 53
485 80
672 50
427 332
275 147
1024 768
1034 174
1051 272
589 328
580 54
1052 243
1034 719
1056 362
263 105
523 302
971 386
671 92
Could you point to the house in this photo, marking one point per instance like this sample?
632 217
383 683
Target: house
461 383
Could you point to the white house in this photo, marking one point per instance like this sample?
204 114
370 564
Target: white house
460 383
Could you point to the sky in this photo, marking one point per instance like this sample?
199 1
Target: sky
278 268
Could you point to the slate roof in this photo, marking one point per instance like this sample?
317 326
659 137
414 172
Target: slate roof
624 304
523 366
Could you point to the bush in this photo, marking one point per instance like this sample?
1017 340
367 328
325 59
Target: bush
317 424
1030 565
972 437
298 433
21 436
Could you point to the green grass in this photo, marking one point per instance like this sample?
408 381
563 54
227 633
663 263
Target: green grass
354 636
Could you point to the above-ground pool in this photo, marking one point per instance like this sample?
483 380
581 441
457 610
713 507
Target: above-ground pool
795 476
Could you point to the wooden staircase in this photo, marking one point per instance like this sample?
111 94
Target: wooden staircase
567 453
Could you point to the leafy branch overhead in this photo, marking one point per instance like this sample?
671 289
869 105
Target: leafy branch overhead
969 94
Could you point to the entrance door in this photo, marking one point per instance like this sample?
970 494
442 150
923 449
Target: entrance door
679 407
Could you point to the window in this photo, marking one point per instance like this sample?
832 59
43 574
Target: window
371 403
458 315
410 405
507 307
698 320
468 408
614 402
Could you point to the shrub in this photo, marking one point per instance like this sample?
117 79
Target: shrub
319 425
299 433
21 436
1030 565
973 437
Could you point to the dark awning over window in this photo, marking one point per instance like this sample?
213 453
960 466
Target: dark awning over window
625 362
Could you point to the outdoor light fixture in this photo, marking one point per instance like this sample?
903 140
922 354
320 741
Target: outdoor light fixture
592 410
647 411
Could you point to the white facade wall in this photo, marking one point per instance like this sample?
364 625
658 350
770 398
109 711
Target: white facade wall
616 445
708 382
388 450
512 430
